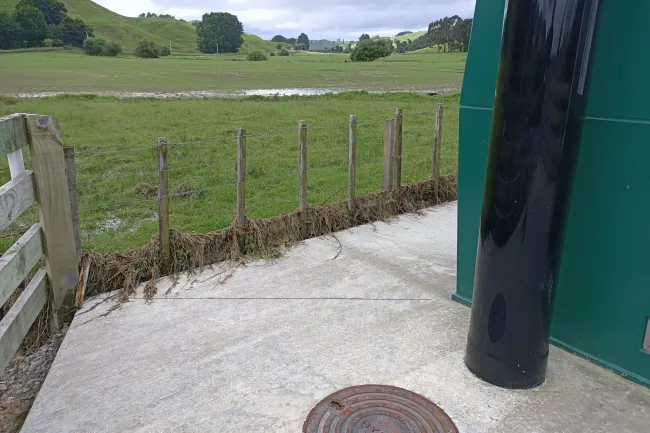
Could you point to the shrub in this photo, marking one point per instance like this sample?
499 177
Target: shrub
147 50
99 47
256 56
94 46
165 51
112 49
283 52
370 50
272 54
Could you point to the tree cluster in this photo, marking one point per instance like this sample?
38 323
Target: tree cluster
35 21
256 56
148 49
219 32
302 43
99 47
450 33
153 15
369 50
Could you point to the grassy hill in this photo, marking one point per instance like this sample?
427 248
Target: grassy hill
412 36
128 31
255 43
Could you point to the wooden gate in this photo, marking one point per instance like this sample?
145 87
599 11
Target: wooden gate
51 239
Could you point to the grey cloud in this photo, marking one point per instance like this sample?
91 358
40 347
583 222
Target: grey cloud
331 19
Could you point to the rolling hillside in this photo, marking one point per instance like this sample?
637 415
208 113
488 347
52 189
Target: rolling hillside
412 36
128 31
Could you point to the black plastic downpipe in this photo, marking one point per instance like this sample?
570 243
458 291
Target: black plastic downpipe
534 143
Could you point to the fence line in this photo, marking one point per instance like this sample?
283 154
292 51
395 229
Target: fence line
223 185
392 161
392 168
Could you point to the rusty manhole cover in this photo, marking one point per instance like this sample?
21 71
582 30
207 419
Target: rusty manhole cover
377 409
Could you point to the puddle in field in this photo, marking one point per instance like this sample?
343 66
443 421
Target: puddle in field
113 223
210 94
290 92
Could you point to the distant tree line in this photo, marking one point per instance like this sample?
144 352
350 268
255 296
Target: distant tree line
36 23
334 49
448 34
302 43
153 15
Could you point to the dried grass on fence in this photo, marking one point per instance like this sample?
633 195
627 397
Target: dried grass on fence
123 271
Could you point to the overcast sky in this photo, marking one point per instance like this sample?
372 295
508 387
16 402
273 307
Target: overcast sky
320 20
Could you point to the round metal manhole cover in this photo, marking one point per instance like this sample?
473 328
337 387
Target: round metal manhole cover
377 409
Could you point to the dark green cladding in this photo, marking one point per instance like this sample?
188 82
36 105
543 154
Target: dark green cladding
603 297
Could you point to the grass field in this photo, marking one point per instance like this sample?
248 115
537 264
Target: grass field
116 160
76 72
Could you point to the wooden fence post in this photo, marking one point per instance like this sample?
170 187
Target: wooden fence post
163 200
50 182
352 172
437 141
241 177
71 174
302 164
389 155
397 176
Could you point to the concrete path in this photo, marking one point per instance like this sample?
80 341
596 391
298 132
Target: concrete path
256 352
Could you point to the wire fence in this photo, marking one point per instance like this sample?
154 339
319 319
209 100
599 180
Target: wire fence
118 188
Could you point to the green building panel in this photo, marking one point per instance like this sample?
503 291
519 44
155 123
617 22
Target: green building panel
602 305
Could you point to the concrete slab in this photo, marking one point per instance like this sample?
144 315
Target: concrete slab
257 351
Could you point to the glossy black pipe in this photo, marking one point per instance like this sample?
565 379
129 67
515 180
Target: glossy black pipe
534 143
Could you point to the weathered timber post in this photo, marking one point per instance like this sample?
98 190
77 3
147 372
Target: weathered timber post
437 142
71 175
389 155
241 177
163 200
397 142
302 165
352 160
51 187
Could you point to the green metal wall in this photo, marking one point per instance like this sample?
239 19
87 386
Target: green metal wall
603 299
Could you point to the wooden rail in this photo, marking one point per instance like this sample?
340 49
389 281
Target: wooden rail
47 186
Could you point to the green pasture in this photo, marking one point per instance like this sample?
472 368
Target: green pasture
73 71
116 157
